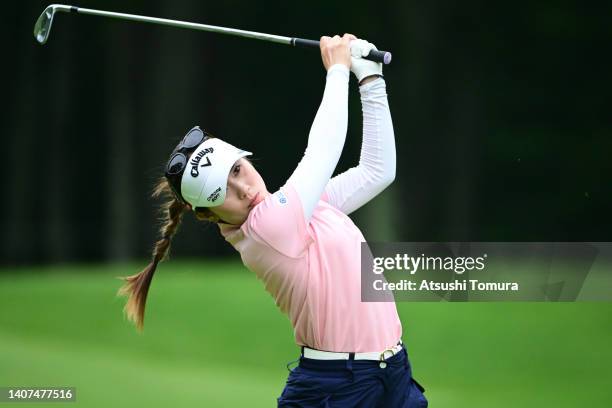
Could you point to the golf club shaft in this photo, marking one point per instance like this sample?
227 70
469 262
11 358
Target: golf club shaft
375 55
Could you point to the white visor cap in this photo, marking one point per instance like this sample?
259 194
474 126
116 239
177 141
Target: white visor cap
204 180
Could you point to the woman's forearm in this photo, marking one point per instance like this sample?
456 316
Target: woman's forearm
376 170
325 140
378 146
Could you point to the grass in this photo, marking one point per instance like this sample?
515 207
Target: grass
214 338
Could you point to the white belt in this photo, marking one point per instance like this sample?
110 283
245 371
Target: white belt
330 355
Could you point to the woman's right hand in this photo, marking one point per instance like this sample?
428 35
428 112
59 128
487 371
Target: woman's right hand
336 50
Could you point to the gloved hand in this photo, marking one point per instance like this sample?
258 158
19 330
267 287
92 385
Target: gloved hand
362 67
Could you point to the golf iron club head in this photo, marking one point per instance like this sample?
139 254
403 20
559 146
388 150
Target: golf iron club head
42 28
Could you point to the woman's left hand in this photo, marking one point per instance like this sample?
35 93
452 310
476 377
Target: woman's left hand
361 67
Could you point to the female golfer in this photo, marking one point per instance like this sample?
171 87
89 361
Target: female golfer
301 243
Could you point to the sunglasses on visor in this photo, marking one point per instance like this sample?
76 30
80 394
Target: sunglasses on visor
178 160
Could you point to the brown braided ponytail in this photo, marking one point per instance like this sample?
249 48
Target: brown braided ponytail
136 286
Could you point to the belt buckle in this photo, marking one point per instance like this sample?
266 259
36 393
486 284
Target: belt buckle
383 363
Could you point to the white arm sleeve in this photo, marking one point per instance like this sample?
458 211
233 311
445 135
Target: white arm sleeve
325 141
376 170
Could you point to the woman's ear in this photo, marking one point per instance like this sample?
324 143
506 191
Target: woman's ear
189 207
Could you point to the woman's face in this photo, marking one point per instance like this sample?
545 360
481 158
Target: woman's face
245 189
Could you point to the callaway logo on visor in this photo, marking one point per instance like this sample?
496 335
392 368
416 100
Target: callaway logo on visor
196 160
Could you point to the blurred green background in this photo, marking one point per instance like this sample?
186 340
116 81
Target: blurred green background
214 338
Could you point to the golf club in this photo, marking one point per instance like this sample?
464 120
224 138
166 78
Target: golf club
42 28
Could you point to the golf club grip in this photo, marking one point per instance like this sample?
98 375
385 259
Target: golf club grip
374 55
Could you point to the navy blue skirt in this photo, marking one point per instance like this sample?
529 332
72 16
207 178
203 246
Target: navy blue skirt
353 383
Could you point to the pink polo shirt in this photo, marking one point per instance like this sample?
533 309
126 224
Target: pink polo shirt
314 274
